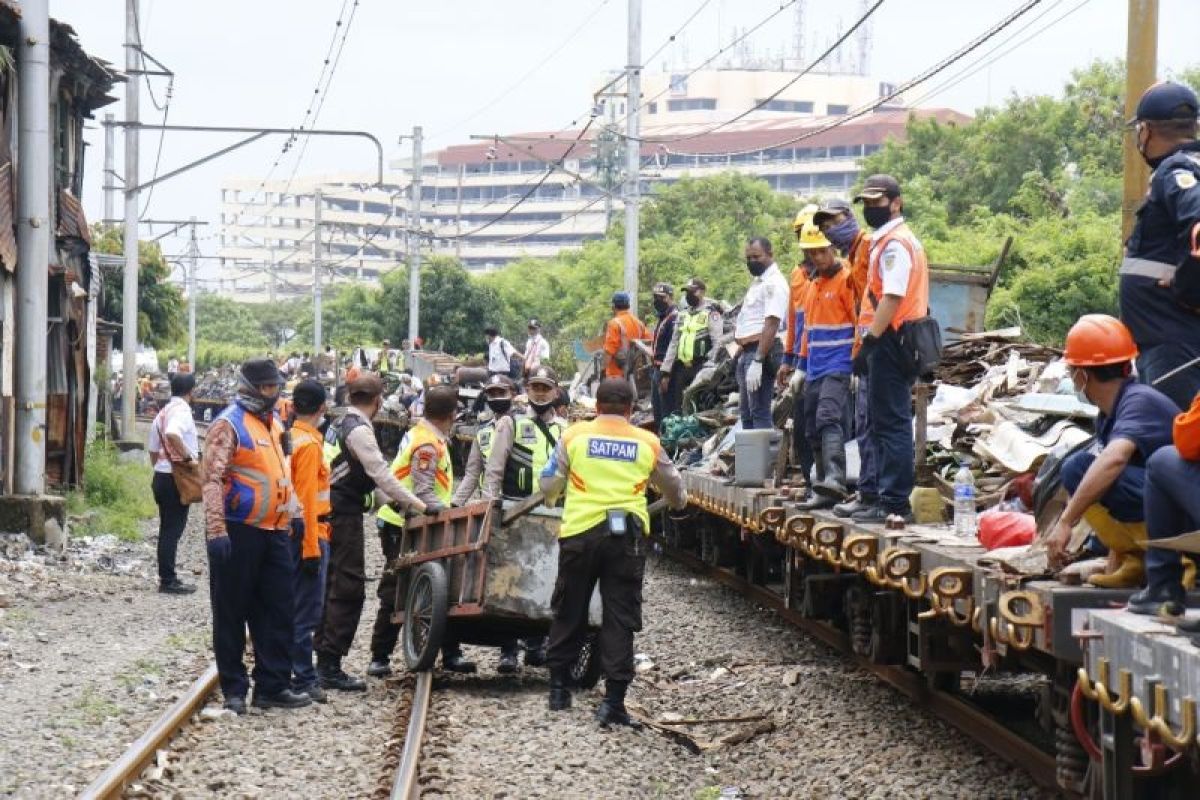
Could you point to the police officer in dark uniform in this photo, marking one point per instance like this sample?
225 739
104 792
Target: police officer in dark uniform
1160 275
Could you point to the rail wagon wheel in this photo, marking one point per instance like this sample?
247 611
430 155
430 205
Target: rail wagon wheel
585 672
425 616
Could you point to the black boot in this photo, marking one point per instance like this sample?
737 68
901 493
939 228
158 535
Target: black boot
815 501
611 710
833 458
454 661
854 505
332 676
1163 600
535 652
284 699
560 695
508 663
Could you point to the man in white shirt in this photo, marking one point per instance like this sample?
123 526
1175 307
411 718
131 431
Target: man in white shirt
764 307
172 438
499 352
537 349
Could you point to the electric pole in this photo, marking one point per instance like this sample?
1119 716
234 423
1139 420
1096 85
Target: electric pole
129 284
317 271
193 263
633 151
110 188
33 244
1141 57
414 243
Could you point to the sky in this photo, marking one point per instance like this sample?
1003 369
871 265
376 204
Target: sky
463 67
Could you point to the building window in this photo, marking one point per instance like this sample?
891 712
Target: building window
652 108
693 104
836 110
787 106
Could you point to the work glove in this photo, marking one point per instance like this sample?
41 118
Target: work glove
311 566
869 342
754 376
219 550
797 382
432 509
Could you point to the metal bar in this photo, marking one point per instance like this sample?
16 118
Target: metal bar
405 784
129 280
199 161
112 781
414 239
633 155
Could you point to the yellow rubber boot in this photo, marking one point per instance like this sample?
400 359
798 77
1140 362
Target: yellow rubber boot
1126 541
1189 573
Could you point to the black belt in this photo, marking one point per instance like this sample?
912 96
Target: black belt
325 518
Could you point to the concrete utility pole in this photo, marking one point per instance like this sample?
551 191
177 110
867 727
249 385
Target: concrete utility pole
129 286
110 155
633 151
414 239
33 245
1141 58
317 271
193 264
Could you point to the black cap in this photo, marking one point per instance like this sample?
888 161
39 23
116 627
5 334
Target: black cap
544 375
832 207
499 381
663 288
695 283
1166 101
878 186
308 396
261 372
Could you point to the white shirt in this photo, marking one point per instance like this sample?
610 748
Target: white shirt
537 349
895 263
767 296
176 418
173 365
499 352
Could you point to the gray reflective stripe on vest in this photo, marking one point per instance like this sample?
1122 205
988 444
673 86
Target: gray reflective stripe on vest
260 478
1146 268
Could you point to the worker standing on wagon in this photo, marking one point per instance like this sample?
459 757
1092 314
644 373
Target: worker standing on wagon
799 284
248 507
357 470
423 467
604 466
1160 275
664 307
620 333
764 311
537 349
697 330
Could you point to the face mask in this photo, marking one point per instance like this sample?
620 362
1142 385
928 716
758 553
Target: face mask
842 235
1141 148
693 299
877 216
541 408
251 399
500 406
661 305
756 267
1080 394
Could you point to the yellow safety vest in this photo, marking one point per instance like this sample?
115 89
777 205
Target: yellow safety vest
609 463
530 453
443 484
485 437
693 334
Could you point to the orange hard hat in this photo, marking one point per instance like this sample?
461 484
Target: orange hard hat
1098 339
1187 432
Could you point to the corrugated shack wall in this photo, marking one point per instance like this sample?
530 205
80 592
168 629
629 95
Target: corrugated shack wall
79 85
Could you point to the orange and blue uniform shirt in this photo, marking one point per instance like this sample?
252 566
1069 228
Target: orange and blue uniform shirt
827 344
799 285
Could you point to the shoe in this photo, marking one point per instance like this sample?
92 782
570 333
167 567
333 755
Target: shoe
1130 574
870 515
314 692
332 676
560 695
1165 600
1126 541
833 457
236 704
816 502
856 503
379 668
609 714
176 587
285 699
458 663
535 656
508 664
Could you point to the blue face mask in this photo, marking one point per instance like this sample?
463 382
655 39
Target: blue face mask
842 235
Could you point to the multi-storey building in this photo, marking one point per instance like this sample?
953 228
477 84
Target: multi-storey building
531 195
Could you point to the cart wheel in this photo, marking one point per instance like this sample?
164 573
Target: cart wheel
585 672
425 616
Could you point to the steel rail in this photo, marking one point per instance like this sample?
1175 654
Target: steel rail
404 785
951 709
125 769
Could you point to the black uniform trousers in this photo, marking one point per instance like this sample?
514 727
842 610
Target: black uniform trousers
172 520
345 587
253 587
618 563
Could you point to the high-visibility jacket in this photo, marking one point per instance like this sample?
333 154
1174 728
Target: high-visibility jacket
258 487
797 297
619 334
859 258
915 303
609 463
402 467
829 317
485 438
310 474
695 339
530 453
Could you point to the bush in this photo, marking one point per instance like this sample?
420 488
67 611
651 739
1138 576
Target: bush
116 496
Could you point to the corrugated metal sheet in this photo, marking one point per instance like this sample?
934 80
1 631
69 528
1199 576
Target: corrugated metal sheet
71 219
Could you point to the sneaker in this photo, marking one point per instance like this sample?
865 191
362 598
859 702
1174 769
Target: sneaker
508 664
285 699
236 704
379 668
314 692
1162 601
457 663
610 714
176 587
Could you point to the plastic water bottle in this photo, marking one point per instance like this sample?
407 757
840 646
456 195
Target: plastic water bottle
964 503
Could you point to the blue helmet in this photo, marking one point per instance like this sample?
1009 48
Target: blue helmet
1166 101
620 299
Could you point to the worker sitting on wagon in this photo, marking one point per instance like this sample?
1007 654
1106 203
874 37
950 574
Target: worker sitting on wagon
1106 482
423 467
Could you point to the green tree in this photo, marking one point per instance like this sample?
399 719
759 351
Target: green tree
161 312
455 308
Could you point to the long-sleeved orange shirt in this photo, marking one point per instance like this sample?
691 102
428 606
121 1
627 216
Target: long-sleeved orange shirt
623 326
799 285
310 476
